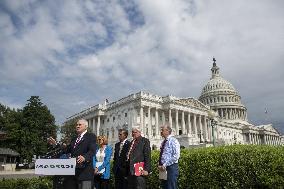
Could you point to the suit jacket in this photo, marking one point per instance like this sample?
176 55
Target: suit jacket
106 163
86 147
141 152
119 161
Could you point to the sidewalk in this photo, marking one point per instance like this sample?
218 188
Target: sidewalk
28 173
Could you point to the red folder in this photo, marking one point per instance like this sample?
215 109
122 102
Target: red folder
138 168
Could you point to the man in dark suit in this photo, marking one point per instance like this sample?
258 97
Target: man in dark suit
119 160
82 148
139 151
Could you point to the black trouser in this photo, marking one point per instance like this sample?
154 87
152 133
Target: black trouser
135 182
120 181
101 183
71 182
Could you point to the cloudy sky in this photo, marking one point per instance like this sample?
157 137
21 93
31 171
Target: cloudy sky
74 54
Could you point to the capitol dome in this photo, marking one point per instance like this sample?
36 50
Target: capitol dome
222 97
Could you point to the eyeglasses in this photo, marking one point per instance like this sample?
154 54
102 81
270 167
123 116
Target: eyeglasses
79 124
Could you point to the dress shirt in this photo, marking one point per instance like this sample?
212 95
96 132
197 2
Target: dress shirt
171 152
82 134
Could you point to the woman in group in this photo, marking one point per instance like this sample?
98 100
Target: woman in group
101 163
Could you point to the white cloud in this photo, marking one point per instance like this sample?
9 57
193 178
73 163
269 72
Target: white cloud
102 49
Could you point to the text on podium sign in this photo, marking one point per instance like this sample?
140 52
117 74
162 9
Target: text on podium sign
55 166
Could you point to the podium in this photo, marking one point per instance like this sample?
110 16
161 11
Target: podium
60 169
55 166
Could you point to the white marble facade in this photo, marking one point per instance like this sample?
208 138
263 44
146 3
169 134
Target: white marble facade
188 117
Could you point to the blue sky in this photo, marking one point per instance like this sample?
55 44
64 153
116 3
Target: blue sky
74 54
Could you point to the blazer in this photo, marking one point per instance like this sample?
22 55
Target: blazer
141 152
119 161
106 163
86 147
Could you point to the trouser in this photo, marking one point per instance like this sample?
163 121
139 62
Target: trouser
135 182
101 183
71 182
120 182
172 176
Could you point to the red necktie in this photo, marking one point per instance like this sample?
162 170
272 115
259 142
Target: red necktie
130 149
161 151
77 141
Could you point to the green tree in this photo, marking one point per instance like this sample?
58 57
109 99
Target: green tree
67 131
37 125
10 123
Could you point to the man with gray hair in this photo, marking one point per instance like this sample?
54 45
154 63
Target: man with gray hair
82 148
138 160
168 159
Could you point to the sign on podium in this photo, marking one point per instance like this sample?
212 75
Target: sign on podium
55 166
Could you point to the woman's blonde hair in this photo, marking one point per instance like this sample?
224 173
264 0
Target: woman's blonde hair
104 138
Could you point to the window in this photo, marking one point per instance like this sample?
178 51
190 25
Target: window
107 119
125 114
146 114
113 118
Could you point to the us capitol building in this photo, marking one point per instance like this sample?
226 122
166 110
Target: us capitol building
217 118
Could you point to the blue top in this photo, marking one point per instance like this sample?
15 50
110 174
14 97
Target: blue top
106 163
171 152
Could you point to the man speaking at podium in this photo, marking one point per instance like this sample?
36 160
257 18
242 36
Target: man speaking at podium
82 148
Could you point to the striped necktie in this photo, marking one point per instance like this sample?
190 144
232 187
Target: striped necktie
130 149
77 141
161 151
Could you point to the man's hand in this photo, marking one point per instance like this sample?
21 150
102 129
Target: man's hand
80 159
96 171
161 168
145 173
51 141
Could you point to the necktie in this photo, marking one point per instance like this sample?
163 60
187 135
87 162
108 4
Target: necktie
120 148
77 141
130 149
161 151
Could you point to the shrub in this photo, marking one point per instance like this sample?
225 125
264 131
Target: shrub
236 166
33 183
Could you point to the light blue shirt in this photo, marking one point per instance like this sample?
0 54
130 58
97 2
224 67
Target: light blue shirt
171 151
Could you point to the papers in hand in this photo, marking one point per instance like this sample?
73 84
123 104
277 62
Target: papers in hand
138 168
163 175
99 164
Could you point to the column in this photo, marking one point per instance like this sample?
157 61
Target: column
205 129
182 123
200 127
89 122
189 131
98 125
222 113
157 123
264 139
163 118
94 125
209 126
194 125
149 123
142 121
250 138
177 126
170 118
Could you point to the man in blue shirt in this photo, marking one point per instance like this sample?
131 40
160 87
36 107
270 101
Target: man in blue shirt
168 159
